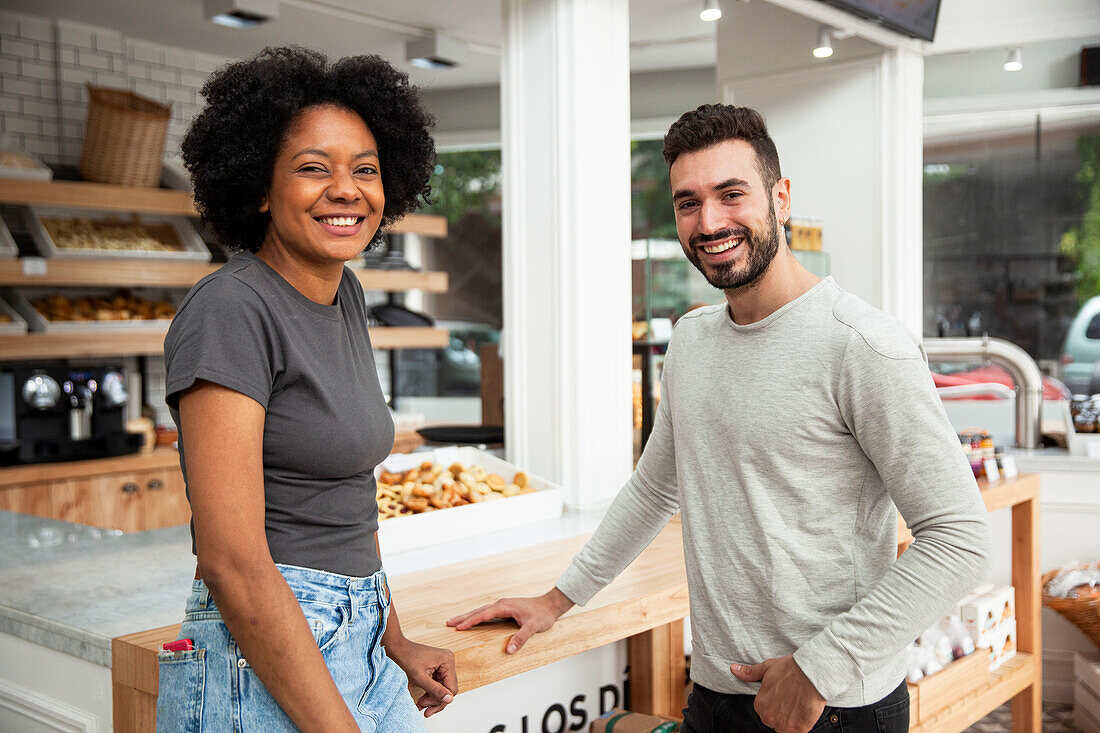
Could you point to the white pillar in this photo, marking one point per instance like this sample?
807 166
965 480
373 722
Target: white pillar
565 91
901 155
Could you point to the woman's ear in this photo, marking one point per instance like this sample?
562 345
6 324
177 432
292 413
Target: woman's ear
264 208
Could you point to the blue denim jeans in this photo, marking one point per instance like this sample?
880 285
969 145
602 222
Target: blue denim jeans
213 687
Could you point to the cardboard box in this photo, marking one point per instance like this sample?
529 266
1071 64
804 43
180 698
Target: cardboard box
622 721
980 615
1086 695
1004 648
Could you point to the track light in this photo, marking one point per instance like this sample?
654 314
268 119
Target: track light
435 52
1014 61
824 47
710 12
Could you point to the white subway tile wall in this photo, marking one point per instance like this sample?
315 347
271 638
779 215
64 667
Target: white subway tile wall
46 65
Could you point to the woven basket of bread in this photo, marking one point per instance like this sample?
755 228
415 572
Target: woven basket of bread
1083 611
123 138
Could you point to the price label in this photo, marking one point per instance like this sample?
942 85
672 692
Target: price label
992 473
1008 467
34 266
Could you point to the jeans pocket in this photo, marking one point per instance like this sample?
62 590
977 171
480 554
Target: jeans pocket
181 691
893 718
327 621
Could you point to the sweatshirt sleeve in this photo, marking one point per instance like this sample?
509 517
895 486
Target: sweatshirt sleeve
890 405
638 513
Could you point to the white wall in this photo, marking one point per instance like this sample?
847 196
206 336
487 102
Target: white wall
824 125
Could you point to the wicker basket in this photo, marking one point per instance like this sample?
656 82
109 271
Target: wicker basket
124 138
1083 611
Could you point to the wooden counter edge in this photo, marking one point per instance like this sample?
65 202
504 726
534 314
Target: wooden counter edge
155 460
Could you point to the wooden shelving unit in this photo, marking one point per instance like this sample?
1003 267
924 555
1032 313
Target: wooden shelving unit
22 272
153 274
150 342
80 194
1019 679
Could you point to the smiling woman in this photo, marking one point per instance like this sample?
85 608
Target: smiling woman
272 383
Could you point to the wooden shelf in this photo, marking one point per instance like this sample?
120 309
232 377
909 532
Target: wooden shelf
156 460
107 197
1019 679
153 273
1003 683
150 342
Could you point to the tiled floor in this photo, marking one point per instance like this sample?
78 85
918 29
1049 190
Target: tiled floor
1056 719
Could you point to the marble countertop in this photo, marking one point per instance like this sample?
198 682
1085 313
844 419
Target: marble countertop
1052 459
74 588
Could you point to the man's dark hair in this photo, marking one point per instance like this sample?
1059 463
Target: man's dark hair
711 124
231 146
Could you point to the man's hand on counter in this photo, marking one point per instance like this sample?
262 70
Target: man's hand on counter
534 615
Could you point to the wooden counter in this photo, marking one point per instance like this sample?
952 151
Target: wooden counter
645 604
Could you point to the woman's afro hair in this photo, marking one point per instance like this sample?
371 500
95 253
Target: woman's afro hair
231 146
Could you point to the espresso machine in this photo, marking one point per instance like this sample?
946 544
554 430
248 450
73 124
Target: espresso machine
55 412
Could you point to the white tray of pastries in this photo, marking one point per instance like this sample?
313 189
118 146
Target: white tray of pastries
11 323
15 162
453 493
92 234
94 309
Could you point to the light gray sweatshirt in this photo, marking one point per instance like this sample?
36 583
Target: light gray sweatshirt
786 445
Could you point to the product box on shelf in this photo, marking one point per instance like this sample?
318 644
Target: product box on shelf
952 683
1086 695
103 309
11 323
112 235
414 531
981 614
623 721
1004 645
1080 444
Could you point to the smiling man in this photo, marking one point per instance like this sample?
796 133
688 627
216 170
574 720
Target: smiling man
794 418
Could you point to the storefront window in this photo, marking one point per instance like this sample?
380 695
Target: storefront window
1012 236
466 190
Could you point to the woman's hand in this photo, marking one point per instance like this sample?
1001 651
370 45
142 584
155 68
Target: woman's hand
429 668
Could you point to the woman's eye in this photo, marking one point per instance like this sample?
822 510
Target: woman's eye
311 169
367 170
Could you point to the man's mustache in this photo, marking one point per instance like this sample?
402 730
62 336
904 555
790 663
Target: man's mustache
719 236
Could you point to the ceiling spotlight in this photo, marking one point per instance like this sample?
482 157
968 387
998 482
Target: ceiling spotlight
435 52
710 12
1014 61
240 13
824 47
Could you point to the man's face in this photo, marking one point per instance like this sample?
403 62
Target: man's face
725 215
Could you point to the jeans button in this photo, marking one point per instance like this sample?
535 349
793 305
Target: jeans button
242 663
834 719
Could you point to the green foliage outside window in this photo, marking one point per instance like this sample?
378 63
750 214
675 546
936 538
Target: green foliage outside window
1082 243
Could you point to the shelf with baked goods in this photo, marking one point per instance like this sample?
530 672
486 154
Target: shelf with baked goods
137 273
139 341
968 690
108 197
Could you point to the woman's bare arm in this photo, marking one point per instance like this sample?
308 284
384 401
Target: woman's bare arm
223 442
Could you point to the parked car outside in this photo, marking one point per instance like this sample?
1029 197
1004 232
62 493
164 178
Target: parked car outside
1081 352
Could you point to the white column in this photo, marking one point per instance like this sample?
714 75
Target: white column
901 154
565 92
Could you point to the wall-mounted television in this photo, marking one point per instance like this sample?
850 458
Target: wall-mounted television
914 18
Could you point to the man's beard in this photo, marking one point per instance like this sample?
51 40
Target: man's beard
761 252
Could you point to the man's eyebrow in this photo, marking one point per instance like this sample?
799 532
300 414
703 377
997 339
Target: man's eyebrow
728 183
323 154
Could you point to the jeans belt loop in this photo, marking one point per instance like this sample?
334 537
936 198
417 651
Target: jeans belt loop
352 603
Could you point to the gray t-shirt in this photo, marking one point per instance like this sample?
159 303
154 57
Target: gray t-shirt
326 425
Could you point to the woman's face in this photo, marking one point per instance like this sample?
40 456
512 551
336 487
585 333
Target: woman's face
326 196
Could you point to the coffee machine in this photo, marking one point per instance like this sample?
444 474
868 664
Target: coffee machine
51 411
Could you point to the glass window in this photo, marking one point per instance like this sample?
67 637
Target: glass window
1012 234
